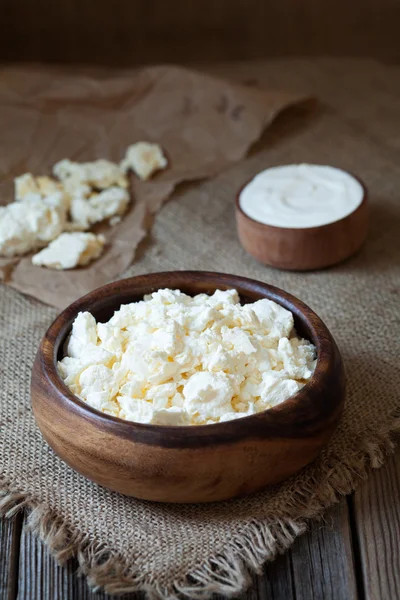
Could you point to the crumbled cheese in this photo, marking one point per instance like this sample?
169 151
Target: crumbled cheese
171 359
114 221
144 159
99 174
30 223
97 207
25 184
85 194
76 188
70 250
48 189
16 238
47 185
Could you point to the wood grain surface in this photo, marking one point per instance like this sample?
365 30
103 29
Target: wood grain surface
377 506
191 463
10 530
320 563
323 562
327 563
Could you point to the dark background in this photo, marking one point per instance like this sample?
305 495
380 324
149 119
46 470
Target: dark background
145 31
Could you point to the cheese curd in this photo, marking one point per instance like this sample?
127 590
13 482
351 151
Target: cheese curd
171 359
70 250
144 159
99 174
86 206
85 211
86 194
28 184
30 223
25 184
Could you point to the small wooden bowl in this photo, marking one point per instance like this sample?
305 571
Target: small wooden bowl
307 248
190 463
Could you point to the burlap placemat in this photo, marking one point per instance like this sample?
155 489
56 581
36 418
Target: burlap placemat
175 551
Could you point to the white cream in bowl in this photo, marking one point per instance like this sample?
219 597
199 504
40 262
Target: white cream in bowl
301 196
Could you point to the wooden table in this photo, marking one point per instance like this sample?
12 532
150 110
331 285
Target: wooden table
354 553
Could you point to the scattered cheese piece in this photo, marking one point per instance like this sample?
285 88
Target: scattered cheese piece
76 188
97 207
16 238
176 360
114 221
43 205
144 159
25 184
29 224
70 250
47 185
99 174
51 191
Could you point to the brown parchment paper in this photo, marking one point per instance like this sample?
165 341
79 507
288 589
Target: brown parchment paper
203 123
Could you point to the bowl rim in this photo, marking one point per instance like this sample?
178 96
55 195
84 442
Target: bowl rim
262 422
265 226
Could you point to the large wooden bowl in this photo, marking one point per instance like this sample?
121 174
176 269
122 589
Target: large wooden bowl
307 248
190 463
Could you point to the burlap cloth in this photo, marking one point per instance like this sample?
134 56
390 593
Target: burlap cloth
175 551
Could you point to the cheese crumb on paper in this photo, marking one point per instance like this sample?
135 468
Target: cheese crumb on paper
25 184
44 207
83 194
171 359
85 211
144 159
30 223
99 174
70 250
51 191
114 221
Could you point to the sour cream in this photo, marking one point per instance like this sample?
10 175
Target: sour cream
300 196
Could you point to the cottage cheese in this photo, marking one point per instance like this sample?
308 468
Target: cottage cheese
30 223
85 211
86 193
144 159
171 359
27 184
70 250
99 174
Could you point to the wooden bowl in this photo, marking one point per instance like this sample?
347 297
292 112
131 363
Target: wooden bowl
189 463
307 248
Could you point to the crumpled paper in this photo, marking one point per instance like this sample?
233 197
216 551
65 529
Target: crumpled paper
204 124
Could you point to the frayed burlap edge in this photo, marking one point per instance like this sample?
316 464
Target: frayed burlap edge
227 573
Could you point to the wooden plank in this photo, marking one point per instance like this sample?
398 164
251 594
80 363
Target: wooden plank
10 530
323 565
320 565
41 578
276 583
377 516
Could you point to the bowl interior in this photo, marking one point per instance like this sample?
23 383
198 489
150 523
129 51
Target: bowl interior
103 307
